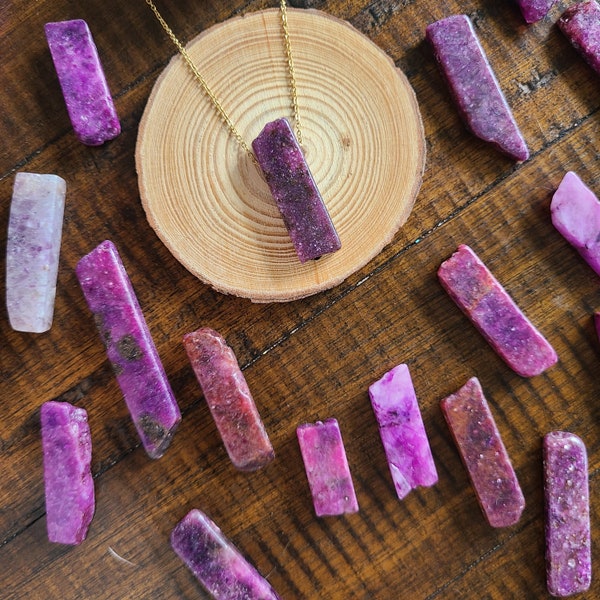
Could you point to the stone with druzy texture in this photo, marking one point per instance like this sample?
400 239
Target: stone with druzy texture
292 185
83 83
327 469
534 10
567 519
229 399
473 85
129 346
575 212
494 313
581 24
33 249
69 487
484 455
402 432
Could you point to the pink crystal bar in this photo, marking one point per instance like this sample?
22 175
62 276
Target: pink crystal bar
67 448
129 347
568 540
581 24
216 562
229 399
33 250
402 432
327 468
534 10
474 86
484 455
479 295
89 103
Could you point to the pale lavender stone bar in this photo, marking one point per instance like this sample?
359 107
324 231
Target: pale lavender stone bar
81 76
402 431
33 250
494 313
474 86
69 487
534 10
129 347
568 538
216 562
581 24
299 201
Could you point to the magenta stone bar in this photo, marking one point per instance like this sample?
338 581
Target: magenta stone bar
295 192
494 313
402 432
129 347
67 450
89 103
229 399
581 24
484 455
534 10
215 562
568 539
474 86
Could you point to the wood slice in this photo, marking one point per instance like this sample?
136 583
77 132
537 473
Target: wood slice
363 140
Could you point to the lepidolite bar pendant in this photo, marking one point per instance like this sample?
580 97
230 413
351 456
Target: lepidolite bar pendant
292 185
129 346
484 455
229 399
67 451
215 562
581 24
33 250
327 468
495 314
474 86
81 76
568 539
402 431
534 10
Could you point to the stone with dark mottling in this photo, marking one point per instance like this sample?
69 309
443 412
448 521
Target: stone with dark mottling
534 10
581 24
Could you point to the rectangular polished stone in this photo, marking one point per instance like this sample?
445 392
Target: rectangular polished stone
129 346
534 10
33 250
229 399
494 313
581 24
484 455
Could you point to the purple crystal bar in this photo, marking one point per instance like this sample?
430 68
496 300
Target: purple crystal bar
327 468
67 448
402 432
581 24
534 10
474 86
229 399
89 103
484 455
295 192
129 347
216 562
479 295
568 543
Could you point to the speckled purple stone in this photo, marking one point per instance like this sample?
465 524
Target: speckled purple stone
216 562
568 540
581 24
327 468
474 86
495 314
295 192
129 347
484 455
89 103
67 449
534 10
402 432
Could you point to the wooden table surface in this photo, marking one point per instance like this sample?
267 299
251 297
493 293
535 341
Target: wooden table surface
309 359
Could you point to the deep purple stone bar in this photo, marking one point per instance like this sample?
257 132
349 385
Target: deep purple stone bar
484 455
568 539
494 313
402 431
327 468
474 86
69 487
534 10
89 103
295 192
129 347
581 24
216 562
